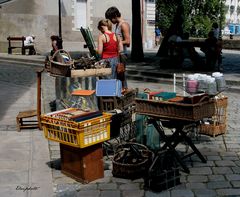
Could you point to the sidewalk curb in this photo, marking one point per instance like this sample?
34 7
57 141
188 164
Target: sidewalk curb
142 74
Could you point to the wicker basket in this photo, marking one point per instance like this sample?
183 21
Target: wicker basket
212 129
219 119
181 111
131 171
60 66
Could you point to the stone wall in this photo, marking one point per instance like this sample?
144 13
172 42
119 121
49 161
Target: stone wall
26 17
231 44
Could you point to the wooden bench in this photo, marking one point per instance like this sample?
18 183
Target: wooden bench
18 43
190 45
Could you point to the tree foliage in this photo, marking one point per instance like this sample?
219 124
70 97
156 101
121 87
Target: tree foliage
198 14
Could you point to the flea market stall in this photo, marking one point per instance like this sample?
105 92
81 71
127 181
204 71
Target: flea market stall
130 126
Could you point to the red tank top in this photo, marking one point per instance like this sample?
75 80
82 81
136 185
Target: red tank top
110 49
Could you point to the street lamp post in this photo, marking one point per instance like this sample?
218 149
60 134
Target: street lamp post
60 18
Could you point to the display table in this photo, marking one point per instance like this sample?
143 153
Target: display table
178 136
175 115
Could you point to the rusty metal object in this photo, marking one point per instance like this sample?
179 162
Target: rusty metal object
88 63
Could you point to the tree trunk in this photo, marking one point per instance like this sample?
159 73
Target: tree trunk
175 28
137 48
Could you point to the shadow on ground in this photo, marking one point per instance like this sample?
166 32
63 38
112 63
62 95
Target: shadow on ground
16 81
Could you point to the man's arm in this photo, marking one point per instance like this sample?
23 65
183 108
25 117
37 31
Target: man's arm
126 33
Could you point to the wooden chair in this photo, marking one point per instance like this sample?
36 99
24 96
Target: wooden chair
25 118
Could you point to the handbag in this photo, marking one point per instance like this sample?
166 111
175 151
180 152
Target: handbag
120 68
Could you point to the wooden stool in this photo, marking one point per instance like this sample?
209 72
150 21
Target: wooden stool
26 124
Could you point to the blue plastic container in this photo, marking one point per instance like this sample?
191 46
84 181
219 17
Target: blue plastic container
109 87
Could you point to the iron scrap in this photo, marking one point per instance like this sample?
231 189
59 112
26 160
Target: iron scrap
90 63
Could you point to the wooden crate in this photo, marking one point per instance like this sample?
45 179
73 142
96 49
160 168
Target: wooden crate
109 103
84 165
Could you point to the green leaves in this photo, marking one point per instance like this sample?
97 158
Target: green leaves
199 14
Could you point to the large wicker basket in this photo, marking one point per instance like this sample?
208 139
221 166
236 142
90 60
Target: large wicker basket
60 66
131 171
218 123
173 110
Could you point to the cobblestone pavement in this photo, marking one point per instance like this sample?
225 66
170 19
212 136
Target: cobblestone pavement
220 176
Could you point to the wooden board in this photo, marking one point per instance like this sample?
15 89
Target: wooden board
91 72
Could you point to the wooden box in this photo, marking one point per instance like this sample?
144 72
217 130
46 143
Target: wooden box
108 103
82 164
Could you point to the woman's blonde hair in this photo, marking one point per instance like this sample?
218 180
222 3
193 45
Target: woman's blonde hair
105 22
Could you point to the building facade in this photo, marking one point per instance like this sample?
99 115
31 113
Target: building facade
41 18
148 22
232 25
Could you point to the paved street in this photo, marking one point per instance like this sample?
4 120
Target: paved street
24 157
25 168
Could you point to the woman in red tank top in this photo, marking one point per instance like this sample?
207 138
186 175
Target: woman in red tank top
109 45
